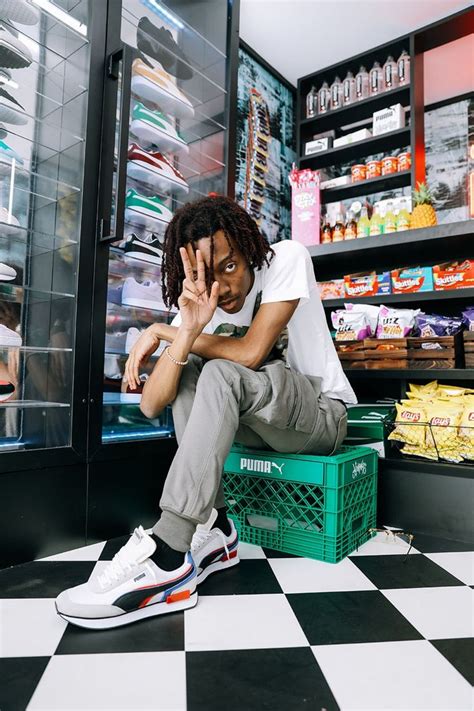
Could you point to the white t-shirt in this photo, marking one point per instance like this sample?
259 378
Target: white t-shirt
311 350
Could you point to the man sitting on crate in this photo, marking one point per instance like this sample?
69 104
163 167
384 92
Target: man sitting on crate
223 372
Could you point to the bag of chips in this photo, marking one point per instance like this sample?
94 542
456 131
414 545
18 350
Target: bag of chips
443 430
468 317
350 325
395 323
434 325
410 424
371 312
466 429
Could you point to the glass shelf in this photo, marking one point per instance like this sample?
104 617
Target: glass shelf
30 404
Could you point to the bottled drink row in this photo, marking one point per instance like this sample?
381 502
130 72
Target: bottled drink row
388 216
362 86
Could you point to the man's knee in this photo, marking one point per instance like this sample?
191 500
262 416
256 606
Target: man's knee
218 373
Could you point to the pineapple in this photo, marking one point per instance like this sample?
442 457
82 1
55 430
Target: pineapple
423 214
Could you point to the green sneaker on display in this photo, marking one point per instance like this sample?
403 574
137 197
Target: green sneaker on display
155 128
143 210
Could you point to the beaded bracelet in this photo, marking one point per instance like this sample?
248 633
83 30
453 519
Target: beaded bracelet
176 362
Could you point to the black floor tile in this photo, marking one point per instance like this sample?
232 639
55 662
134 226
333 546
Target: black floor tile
460 653
278 554
19 678
153 634
45 579
249 577
257 680
350 618
432 544
402 571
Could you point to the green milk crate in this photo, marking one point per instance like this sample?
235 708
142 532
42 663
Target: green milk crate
317 507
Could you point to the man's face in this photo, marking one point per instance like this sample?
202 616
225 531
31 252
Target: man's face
231 270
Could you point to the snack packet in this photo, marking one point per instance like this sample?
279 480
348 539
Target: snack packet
350 326
468 317
371 312
466 429
410 424
395 323
435 325
443 430
422 392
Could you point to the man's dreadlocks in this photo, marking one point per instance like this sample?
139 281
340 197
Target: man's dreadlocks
201 219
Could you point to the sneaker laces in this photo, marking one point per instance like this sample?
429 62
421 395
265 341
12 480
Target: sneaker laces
122 563
204 532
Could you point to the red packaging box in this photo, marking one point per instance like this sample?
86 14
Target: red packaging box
367 284
454 275
409 280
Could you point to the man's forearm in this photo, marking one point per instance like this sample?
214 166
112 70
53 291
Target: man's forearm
209 346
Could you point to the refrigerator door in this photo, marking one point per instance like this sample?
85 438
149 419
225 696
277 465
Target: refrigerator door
168 148
44 73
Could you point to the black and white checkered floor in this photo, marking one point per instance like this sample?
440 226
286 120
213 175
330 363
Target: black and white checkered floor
376 631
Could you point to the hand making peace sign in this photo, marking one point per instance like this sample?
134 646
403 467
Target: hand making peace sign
196 306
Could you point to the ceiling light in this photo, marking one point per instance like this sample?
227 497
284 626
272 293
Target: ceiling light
62 16
163 12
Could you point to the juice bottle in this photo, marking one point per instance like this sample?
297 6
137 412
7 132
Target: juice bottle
326 233
312 103
390 74
363 226
362 83
375 223
403 221
336 94
339 229
323 98
403 65
390 222
351 226
376 79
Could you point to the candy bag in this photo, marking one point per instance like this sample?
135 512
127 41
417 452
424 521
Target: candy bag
434 325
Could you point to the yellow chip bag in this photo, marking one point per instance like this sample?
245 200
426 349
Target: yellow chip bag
410 424
452 390
425 452
466 429
422 392
443 430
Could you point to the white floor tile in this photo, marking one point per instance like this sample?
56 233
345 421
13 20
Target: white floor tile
381 544
242 622
393 676
247 551
29 628
437 613
85 553
118 682
300 575
461 565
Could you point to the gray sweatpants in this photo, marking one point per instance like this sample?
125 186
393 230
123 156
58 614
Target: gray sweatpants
220 402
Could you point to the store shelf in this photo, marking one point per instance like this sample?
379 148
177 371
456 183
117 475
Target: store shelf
122 399
35 349
411 374
357 111
45 242
455 294
32 404
375 144
432 244
367 187
464 470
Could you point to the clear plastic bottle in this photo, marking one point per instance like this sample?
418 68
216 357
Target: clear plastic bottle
390 74
351 226
363 226
324 98
403 217
375 223
376 79
339 229
403 65
348 89
326 232
362 84
390 222
336 93
312 103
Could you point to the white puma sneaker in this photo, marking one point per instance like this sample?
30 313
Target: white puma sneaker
212 550
130 588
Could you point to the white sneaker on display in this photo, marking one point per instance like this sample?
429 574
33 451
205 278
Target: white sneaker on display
129 588
9 337
9 225
13 53
18 11
133 334
146 295
212 550
7 273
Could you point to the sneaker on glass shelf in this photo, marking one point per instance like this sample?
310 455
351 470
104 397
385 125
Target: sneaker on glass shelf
212 550
18 11
154 128
13 53
6 390
10 110
9 225
147 249
115 342
133 334
9 337
146 211
146 295
154 168
7 273
129 588
114 294
158 42
155 85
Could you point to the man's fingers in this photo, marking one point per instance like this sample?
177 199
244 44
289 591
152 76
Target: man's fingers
201 270
190 286
188 269
214 295
191 296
